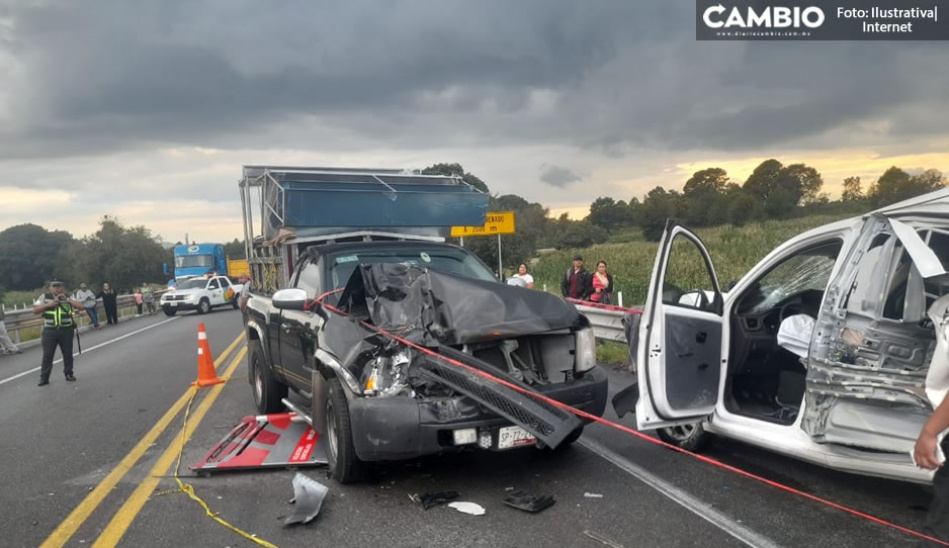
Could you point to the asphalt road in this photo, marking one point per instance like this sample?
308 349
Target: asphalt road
68 479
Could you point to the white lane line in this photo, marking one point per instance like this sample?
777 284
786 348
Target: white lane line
680 497
87 350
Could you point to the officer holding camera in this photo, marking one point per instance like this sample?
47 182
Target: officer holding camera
58 328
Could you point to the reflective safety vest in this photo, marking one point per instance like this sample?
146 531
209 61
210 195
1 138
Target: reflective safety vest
61 316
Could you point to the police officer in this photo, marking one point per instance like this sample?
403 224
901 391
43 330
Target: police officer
58 329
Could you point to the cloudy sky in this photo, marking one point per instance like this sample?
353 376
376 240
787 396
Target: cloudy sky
147 110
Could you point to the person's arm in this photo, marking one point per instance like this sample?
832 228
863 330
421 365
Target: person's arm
925 450
530 282
44 306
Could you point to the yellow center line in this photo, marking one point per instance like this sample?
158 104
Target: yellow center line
81 513
133 505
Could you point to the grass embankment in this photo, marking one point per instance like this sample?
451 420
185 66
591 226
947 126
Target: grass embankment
734 251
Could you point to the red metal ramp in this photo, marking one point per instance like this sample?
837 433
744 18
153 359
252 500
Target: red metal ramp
265 441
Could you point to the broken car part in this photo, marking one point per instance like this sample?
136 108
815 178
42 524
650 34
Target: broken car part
308 495
529 503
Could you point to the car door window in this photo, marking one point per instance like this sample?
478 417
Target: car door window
225 283
688 280
213 284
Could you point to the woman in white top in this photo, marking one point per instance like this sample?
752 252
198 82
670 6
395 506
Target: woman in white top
522 274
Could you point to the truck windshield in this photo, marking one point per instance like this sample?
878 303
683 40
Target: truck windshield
193 283
444 259
187 261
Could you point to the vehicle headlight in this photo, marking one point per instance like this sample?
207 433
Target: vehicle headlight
586 350
189 298
388 376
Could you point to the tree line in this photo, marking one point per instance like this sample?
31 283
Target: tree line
125 257
121 256
708 198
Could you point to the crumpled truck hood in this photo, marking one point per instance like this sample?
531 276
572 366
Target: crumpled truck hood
430 307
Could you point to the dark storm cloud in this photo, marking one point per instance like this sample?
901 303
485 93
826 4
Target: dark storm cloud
96 77
557 176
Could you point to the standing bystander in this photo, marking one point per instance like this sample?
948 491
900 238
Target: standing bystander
110 304
932 443
576 282
149 298
138 300
58 329
6 345
88 300
245 290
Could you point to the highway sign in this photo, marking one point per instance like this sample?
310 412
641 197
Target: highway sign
496 222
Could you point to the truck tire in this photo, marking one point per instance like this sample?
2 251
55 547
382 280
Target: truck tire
267 391
691 437
344 465
169 310
204 306
235 304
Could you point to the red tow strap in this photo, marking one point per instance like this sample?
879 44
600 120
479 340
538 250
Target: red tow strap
640 435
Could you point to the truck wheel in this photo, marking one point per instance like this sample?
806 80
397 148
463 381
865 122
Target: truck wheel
204 306
691 437
235 304
344 465
267 391
169 310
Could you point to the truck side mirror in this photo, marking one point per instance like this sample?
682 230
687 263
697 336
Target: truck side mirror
292 298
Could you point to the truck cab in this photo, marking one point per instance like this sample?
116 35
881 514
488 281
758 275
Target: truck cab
401 344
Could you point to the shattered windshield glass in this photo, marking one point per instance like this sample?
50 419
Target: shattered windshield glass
444 259
805 271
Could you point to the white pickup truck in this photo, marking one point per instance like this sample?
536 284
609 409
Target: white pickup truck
201 293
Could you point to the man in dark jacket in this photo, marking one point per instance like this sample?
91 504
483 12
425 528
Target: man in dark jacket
577 282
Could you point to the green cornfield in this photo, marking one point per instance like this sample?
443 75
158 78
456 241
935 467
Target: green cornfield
734 251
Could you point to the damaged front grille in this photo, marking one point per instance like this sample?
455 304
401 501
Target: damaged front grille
547 422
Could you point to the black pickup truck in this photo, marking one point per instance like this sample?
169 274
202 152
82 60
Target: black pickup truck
389 341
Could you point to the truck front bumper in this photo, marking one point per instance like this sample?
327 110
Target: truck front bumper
397 428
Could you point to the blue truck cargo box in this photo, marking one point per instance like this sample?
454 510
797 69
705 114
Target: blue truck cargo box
389 201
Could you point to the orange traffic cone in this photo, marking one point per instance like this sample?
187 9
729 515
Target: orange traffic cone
207 376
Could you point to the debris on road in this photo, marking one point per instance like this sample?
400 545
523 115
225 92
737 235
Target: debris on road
529 503
468 508
308 495
265 441
429 500
593 495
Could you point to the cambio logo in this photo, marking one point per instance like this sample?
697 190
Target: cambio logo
771 17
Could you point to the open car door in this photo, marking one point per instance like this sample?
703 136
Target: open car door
680 350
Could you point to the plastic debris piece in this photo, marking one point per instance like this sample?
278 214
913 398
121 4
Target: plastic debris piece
429 500
593 495
529 503
468 508
601 538
308 495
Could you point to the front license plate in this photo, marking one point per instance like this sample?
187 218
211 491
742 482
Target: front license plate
514 436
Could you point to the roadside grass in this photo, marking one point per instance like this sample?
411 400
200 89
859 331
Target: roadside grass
734 251
612 353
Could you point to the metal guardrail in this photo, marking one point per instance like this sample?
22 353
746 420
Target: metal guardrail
607 320
24 319
607 324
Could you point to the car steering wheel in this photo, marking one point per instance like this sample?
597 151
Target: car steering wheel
784 313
